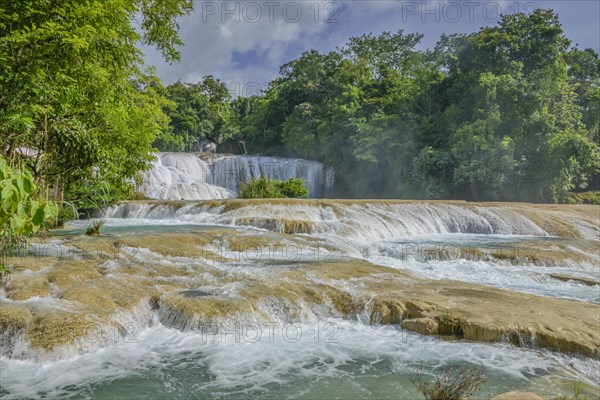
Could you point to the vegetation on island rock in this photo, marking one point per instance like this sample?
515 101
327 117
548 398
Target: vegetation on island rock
265 188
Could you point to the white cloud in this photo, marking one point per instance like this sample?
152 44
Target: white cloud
210 43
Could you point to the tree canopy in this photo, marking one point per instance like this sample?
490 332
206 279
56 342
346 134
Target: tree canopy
510 112
506 113
75 96
203 112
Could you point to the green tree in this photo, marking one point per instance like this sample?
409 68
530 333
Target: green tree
505 113
584 72
74 89
509 98
203 111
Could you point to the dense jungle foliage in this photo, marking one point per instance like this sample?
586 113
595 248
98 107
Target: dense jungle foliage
510 112
21 214
78 108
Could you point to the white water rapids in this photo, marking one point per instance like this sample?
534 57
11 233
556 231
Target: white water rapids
423 237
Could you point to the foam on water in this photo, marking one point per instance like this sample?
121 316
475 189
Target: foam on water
527 279
42 303
425 255
277 365
362 221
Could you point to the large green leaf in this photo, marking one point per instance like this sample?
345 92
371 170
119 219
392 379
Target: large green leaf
16 223
38 217
27 184
7 198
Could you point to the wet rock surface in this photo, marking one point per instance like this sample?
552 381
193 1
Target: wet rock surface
517 396
227 275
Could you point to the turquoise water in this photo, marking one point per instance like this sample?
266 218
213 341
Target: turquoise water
361 362
331 358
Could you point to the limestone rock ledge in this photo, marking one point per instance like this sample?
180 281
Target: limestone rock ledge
485 314
424 326
517 396
63 302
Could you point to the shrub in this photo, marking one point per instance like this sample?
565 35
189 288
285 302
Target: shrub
264 188
21 214
447 386
292 188
583 198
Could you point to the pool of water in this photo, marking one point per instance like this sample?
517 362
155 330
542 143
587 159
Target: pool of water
349 361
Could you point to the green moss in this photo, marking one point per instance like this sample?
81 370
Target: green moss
449 325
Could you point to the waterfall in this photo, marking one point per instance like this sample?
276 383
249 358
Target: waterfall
253 277
368 220
181 176
187 176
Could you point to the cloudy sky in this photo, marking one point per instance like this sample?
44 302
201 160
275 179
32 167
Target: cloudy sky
244 42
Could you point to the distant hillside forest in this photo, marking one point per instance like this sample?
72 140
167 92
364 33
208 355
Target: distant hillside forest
507 113
510 112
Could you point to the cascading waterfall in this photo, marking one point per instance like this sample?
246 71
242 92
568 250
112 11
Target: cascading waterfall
367 221
313 295
187 176
181 176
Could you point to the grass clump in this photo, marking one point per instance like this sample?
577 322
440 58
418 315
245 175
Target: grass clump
264 188
577 394
66 212
448 386
137 196
94 228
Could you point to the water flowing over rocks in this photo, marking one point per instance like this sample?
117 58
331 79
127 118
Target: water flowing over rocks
369 220
191 176
221 267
